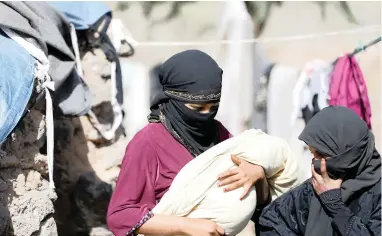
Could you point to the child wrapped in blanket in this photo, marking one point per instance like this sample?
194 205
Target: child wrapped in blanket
195 193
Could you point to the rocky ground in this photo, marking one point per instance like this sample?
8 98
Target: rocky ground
26 201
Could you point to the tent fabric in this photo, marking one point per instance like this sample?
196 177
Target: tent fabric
16 83
42 77
39 22
194 192
82 14
48 29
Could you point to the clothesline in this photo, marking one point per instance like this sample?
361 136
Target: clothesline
367 29
362 48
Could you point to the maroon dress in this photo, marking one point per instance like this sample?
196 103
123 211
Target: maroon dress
152 160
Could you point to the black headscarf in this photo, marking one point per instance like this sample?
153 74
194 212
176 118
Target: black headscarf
188 77
342 136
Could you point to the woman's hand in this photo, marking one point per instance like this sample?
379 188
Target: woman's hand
246 175
202 227
323 183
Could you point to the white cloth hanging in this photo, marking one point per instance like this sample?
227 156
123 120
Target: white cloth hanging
194 192
282 80
313 80
42 74
136 86
242 65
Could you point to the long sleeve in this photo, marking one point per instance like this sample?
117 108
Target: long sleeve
345 222
134 195
288 214
256 216
261 188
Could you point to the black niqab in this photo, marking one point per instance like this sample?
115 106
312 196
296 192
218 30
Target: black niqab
188 77
342 136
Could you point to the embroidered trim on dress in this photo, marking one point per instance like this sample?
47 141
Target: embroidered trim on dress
144 219
153 119
191 97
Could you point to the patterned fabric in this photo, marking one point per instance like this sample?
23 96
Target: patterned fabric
288 215
192 97
139 224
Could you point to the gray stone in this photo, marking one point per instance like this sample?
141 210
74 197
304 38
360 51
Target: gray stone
3 186
4 219
29 211
48 228
100 231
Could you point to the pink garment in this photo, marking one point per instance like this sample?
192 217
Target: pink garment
348 88
152 160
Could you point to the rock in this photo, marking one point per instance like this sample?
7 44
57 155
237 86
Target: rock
3 186
19 184
33 180
100 231
25 226
40 164
29 211
4 220
9 161
26 202
48 228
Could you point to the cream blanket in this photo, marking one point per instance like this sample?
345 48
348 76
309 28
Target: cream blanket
194 192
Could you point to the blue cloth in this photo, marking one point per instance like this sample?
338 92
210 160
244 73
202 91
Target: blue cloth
16 83
82 14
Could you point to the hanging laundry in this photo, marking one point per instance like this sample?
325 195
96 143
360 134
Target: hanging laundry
310 94
243 65
281 81
136 85
261 100
261 64
348 88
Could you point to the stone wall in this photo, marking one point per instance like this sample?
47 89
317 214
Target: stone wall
26 201
28 207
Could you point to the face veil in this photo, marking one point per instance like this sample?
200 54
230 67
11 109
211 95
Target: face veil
344 138
188 77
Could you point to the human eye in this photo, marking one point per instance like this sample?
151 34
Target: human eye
214 108
198 109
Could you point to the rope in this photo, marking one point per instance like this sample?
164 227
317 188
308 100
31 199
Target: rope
372 28
73 36
41 72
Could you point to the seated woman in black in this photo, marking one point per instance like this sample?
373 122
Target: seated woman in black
344 195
